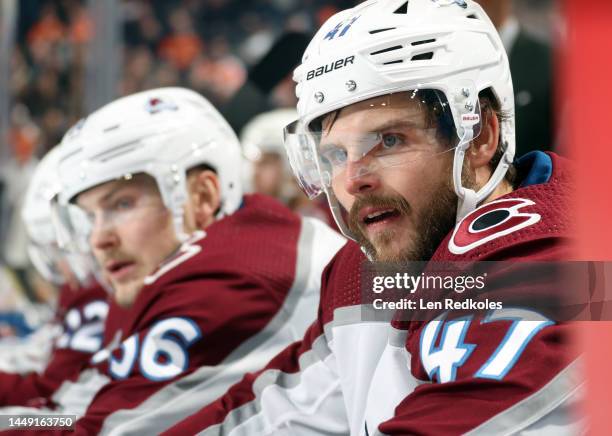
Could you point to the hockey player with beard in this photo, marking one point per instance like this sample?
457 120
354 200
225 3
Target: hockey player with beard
406 123
212 283
55 354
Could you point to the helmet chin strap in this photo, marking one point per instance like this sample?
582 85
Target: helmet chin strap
174 196
179 227
468 199
178 200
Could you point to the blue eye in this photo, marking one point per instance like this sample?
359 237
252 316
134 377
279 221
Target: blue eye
335 156
123 203
390 141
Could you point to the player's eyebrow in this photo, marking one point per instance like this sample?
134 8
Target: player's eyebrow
391 124
121 185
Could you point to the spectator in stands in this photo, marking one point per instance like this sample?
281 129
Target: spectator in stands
183 44
530 64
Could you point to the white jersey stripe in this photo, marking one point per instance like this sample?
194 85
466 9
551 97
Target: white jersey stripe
518 418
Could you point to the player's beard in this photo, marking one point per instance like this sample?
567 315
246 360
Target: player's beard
433 224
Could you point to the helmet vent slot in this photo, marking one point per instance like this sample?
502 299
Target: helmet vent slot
425 41
473 17
399 61
386 50
372 32
423 56
116 151
108 129
69 155
403 9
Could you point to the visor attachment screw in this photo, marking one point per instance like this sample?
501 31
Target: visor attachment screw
465 92
319 97
469 107
351 85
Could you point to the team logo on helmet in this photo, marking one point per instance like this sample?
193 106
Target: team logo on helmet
155 105
491 221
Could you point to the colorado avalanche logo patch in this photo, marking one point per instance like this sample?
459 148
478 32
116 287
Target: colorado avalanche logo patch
155 105
491 221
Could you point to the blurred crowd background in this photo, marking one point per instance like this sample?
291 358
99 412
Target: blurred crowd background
64 58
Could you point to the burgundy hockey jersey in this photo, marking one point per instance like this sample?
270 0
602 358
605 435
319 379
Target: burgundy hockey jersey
230 299
81 313
499 375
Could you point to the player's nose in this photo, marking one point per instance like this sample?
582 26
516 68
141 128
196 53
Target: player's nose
361 177
103 236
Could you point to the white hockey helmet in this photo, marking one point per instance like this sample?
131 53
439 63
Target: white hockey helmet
383 47
161 132
36 214
264 133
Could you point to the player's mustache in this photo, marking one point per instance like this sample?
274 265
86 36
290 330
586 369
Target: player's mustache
383 201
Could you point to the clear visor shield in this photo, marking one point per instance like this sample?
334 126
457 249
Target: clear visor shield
70 226
366 137
128 199
59 266
45 259
79 227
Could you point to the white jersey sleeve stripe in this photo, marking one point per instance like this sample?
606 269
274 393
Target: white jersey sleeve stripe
517 419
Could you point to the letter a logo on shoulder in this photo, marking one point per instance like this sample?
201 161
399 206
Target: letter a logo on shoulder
491 221
337 28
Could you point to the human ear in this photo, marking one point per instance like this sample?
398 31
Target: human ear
483 148
204 197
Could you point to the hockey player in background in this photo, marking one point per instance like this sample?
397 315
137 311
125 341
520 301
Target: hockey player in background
263 147
213 283
267 167
34 369
406 123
